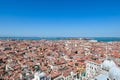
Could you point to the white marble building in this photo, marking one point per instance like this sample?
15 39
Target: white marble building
92 69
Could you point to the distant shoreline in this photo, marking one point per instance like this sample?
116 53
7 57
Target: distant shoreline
103 39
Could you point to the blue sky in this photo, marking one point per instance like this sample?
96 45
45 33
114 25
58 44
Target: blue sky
60 18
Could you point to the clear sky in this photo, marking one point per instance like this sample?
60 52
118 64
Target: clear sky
60 18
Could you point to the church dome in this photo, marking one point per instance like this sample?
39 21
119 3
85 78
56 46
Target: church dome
108 64
114 73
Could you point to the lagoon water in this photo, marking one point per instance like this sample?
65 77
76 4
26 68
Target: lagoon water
104 39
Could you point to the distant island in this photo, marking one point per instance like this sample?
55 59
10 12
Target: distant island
103 39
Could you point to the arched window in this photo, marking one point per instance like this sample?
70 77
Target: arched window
92 67
107 78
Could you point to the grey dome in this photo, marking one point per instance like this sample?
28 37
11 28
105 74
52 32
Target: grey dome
114 73
108 64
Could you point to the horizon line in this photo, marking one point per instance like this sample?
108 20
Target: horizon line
62 36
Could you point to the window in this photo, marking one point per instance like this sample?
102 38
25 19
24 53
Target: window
74 76
92 67
95 69
107 78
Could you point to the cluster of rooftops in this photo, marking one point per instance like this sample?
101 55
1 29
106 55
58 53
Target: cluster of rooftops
54 58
